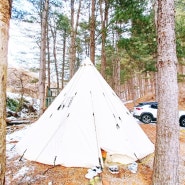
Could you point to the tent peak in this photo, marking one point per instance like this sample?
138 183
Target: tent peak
86 61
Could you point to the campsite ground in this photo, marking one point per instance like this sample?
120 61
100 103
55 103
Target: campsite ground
23 172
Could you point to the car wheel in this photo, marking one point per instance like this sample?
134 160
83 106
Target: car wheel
146 118
182 122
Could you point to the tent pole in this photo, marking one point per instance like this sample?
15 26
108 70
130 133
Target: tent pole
98 148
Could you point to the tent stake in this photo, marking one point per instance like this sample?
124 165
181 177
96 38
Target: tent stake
50 167
137 158
22 155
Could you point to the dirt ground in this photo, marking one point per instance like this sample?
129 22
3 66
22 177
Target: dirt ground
23 172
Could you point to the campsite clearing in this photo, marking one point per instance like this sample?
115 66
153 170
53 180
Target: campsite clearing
25 172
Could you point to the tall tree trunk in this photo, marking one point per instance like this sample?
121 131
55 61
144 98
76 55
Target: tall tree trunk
42 72
104 17
73 38
146 83
116 76
5 13
166 160
92 32
54 35
116 67
72 47
48 62
63 57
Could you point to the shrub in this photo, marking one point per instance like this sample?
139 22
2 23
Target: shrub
12 104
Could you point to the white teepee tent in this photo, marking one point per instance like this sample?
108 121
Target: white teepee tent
85 117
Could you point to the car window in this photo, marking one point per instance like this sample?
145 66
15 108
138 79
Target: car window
148 104
154 106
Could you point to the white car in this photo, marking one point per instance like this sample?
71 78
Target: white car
146 112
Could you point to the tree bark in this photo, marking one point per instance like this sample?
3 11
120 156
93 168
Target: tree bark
116 76
54 36
72 47
104 18
63 57
5 13
42 72
92 32
73 38
166 161
48 58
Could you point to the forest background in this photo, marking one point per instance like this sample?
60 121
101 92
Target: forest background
118 36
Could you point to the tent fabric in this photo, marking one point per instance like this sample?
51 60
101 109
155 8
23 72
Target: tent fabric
84 118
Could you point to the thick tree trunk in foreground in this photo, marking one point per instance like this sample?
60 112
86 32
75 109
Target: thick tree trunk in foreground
5 13
166 160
